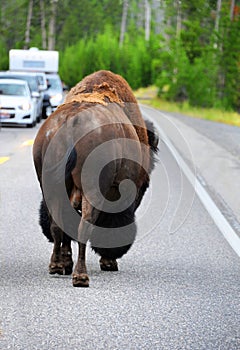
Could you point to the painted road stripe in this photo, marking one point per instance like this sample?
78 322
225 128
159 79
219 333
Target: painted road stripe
223 225
28 143
3 159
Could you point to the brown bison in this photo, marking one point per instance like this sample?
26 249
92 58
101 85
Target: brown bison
93 157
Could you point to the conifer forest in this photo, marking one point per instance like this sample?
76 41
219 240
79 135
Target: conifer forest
189 49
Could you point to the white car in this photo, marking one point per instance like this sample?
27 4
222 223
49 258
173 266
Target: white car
18 106
33 81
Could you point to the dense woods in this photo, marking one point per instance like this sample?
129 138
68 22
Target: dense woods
190 49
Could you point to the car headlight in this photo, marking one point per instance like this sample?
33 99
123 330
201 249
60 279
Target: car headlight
56 99
25 106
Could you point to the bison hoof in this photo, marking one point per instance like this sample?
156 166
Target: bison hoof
108 264
81 280
56 269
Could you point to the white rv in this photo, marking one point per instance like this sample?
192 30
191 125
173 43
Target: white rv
34 60
41 62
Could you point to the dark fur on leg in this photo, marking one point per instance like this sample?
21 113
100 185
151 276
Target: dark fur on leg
116 220
44 221
112 253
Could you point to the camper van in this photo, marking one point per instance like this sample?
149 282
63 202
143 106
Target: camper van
34 60
45 64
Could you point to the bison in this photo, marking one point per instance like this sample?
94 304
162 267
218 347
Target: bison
93 157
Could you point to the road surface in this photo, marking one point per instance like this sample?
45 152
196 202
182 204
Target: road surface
177 288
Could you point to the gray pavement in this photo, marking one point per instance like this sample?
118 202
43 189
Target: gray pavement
226 136
174 289
212 150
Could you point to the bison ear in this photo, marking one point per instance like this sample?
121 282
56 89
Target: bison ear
153 138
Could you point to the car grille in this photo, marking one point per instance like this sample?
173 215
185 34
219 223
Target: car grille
10 110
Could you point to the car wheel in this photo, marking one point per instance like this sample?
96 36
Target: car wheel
32 124
39 118
44 113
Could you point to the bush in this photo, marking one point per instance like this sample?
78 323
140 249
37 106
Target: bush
179 79
201 82
3 57
132 60
173 67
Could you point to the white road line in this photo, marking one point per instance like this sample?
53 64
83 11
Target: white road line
220 221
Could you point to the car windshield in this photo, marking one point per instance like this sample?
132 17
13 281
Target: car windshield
32 80
55 83
40 79
12 89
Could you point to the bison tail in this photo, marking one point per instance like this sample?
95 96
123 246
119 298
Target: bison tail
44 221
153 141
153 137
71 163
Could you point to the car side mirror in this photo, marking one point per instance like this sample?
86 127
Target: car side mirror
35 94
42 87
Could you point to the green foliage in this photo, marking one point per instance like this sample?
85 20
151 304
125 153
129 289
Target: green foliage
73 60
201 82
132 60
201 65
13 15
193 59
172 70
3 56
229 63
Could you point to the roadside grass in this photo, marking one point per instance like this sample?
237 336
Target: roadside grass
149 97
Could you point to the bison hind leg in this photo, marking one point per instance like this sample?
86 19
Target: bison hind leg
112 237
108 264
115 247
61 263
66 254
108 258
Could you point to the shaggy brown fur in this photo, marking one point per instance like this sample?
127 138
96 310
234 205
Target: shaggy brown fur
118 117
114 89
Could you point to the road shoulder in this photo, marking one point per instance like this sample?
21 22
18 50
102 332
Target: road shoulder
216 167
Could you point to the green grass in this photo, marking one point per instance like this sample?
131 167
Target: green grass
149 97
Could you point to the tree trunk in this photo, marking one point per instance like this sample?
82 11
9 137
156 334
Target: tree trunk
52 26
147 20
219 6
43 25
179 19
232 10
124 21
28 26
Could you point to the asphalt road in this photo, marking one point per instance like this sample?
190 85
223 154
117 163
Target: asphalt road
177 288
